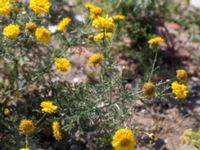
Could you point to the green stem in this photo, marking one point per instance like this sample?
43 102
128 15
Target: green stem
154 63
41 119
26 142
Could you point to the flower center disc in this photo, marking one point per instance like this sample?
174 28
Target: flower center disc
125 142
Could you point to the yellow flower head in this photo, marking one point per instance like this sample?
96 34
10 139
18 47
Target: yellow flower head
43 35
103 23
155 40
40 6
31 27
4 7
6 111
95 59
123 139
118 17
88 5
48 107
56 130
181 75
103 35
149 89
24 149
11 31
62 64
151 136
95 12
16 9
179 90
90 37
26 126
63 24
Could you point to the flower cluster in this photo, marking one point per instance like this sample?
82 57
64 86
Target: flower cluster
42 34
180 89
12 31
104 23
123 139
26 125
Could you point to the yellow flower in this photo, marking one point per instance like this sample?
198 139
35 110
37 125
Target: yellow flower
56 130
48 107
118 17
6 111
90 37
88 5
31 27
24 148
103 35
179 90
16 9
95 59
4 7
103 23
26 126
11 31
123 139
151 136
63 24
95 12
149 89
181 75
43 35
155 40
62 64
40 6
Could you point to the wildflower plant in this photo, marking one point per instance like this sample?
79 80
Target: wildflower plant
31 54
191 137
